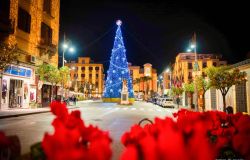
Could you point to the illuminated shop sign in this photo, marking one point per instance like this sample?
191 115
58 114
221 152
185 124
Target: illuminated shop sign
18 71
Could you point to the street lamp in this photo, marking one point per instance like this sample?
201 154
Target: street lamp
168 70
65 48
193 47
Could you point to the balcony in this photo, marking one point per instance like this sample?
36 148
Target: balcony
47 48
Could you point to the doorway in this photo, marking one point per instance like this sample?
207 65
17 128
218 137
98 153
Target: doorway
15 93
46 95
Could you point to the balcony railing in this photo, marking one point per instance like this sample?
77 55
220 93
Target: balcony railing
47 48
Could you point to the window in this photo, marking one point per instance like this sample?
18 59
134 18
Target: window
83 75
46 34
83 68
47 6
90 68
147 72
214 64
189 75
24 20
97 68
204 64
190 66
4 10
96 75
75 75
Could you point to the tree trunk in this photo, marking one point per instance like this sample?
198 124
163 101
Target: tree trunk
224 102
139 86
190 97
52 87
203 102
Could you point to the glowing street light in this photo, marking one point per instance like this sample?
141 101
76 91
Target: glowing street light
167 70
65 48
71 49
192 46
189 50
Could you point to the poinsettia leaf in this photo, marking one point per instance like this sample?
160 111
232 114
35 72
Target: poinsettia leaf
37 152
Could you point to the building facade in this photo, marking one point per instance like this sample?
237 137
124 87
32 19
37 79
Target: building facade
183 70
184 63
34 27
164 83
238 96
87 76
139 75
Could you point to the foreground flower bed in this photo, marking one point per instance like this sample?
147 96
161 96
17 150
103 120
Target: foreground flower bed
72 139
192 135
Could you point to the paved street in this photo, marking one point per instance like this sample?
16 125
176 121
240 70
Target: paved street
108 116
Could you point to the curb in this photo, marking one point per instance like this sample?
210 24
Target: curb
30 113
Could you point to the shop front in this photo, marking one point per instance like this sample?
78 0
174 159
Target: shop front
46 93
17 87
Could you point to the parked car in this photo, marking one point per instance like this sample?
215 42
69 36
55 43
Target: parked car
139 99
158 101
154 100
168 102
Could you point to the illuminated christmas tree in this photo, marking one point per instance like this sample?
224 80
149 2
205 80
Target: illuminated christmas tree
118 70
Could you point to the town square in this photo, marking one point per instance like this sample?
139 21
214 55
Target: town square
128 80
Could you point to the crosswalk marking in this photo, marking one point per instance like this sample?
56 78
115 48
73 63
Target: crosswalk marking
134 109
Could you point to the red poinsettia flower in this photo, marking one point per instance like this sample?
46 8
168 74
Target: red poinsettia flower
191 135
242 138
4 141
72 139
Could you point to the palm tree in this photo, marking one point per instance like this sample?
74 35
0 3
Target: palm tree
146 79
137 81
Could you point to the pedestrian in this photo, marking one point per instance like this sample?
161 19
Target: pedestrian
74 99
229 110
178 101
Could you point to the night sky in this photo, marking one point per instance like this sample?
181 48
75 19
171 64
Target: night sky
156 31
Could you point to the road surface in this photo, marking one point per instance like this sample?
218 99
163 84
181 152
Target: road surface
108 116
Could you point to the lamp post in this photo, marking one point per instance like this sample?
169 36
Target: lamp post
65 48
170 77
193 47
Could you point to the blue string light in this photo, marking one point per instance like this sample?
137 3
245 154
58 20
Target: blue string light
118 68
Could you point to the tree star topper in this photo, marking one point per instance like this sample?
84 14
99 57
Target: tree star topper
118 22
